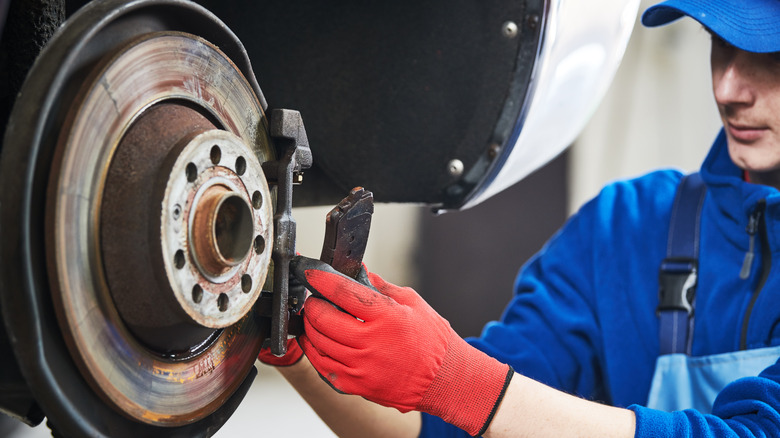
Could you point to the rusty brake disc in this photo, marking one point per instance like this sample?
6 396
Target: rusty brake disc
135 217
172 196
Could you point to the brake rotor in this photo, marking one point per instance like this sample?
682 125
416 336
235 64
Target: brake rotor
140 303
142 188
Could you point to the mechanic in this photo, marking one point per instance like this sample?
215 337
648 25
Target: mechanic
584 317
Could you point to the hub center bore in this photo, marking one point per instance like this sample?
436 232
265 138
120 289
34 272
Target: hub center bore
222 230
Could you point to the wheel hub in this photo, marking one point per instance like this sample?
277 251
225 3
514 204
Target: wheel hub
225 221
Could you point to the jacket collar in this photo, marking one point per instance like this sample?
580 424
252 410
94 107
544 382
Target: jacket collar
734 198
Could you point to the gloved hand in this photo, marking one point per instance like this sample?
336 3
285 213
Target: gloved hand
392 348
293 355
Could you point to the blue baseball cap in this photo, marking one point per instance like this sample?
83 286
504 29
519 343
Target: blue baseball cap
750 25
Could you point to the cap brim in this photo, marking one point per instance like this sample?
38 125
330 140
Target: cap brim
659 15
751 26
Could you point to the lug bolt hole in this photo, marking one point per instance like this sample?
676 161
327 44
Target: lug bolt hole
197 293
178 259
222 302
240 166
246 283
257 200
216 154
259 244
191 171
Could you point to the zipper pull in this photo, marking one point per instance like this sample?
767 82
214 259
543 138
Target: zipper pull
752 229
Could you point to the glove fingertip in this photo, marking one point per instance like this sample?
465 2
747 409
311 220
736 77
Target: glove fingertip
315 306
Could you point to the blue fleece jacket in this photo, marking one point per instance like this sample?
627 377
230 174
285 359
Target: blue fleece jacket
583 315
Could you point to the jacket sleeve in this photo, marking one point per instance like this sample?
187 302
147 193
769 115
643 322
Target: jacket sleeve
582 318
549 330
747 407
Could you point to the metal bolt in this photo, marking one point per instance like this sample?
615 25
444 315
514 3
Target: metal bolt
509 29
455 167
493 150
532 21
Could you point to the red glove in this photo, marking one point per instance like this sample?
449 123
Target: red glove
392 348
294 354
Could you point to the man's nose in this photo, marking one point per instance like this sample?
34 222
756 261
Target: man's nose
734 84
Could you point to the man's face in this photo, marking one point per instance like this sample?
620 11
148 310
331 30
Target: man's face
747 90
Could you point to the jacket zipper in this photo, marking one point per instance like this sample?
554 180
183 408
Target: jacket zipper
755 225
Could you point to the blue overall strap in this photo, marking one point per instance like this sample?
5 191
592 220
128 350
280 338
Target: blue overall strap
677 276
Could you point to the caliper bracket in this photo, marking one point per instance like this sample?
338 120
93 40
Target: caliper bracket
289 135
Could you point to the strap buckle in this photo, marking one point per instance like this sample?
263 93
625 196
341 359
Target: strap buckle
677 285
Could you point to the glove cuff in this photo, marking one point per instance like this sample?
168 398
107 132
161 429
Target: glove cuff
468 387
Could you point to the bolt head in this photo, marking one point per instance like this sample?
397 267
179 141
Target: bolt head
509 29
455 167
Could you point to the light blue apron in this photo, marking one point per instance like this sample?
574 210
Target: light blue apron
685 382
682 381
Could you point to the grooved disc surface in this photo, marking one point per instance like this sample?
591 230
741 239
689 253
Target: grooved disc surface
155 68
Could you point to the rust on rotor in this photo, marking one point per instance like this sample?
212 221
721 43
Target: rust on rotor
129 228
177 226
136 308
